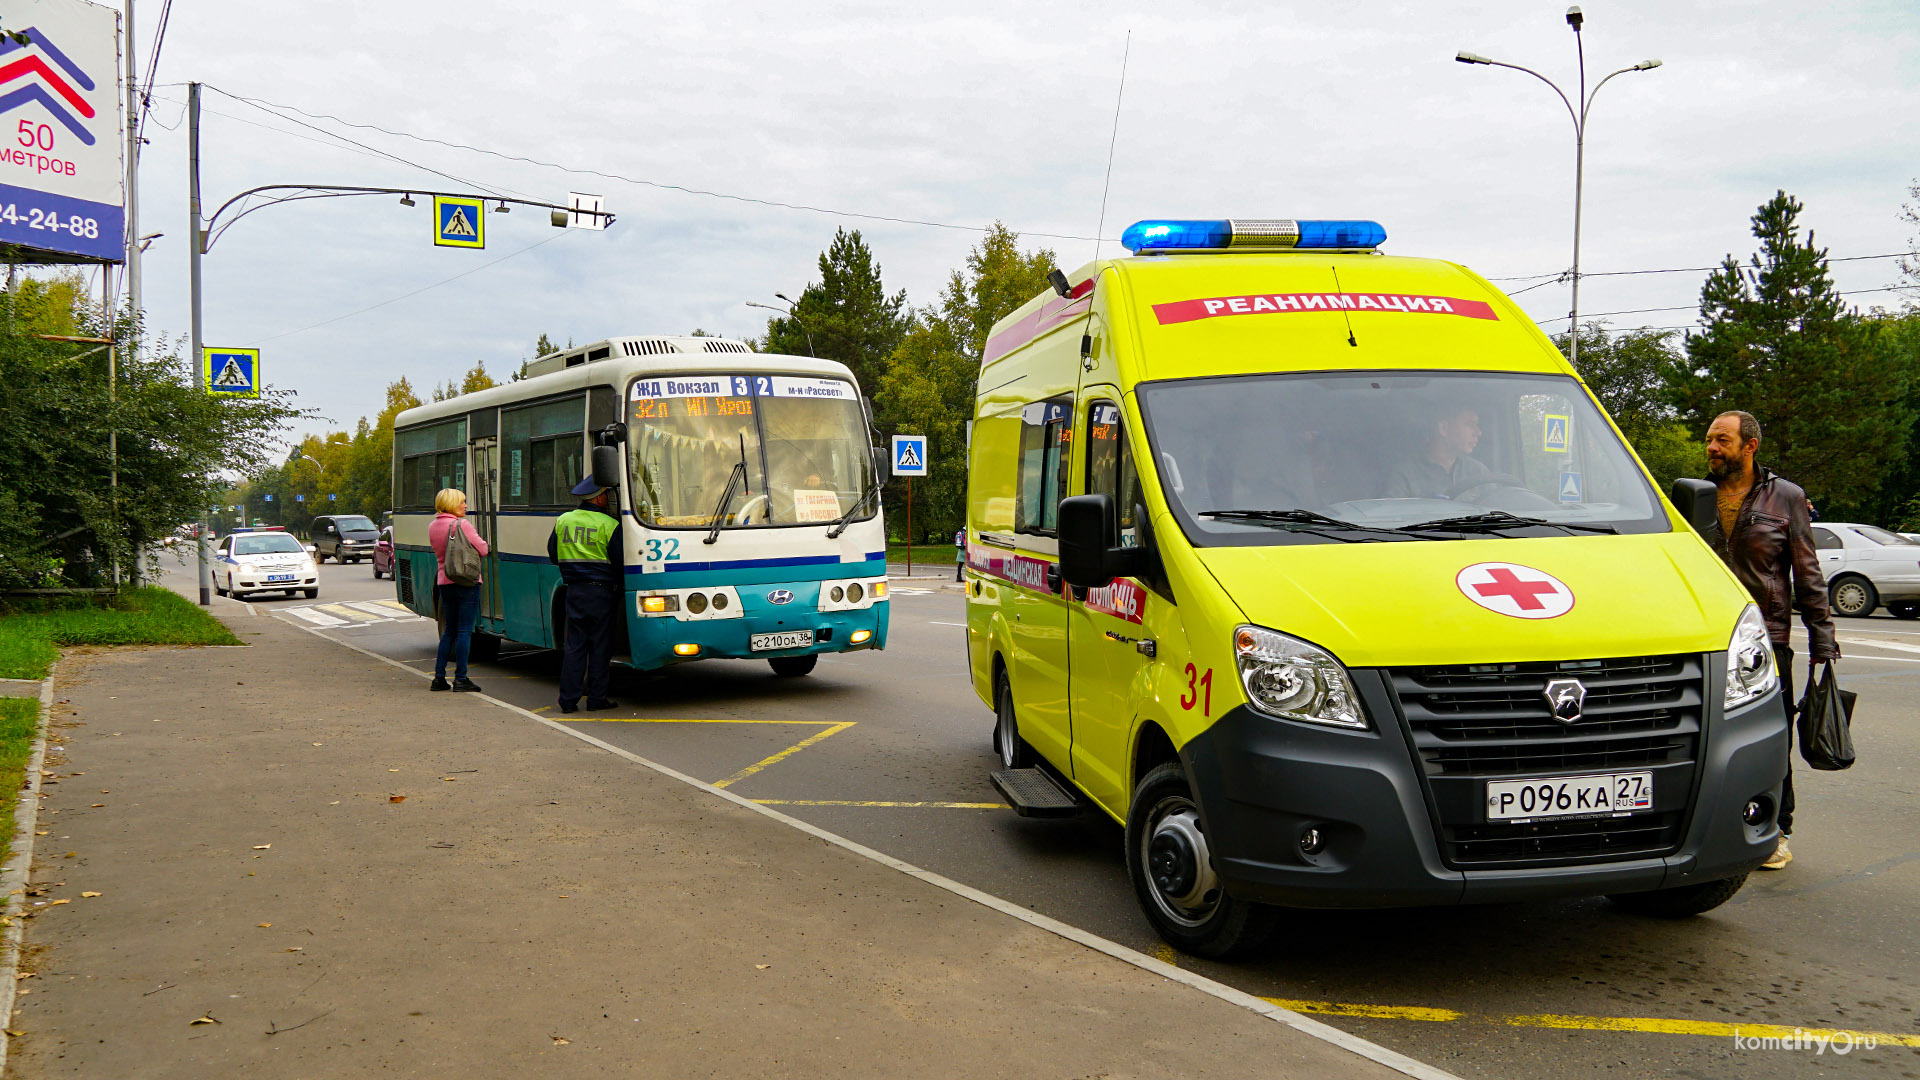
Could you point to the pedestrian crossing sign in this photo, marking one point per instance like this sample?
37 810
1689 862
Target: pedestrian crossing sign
459 222
909 455
231 372
1558 427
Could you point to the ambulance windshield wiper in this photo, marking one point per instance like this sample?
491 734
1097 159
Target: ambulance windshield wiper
1298 520
1496 520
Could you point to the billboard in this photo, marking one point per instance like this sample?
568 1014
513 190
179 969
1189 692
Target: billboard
62 177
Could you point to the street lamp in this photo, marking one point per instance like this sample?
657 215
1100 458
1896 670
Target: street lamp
790 313
1574 19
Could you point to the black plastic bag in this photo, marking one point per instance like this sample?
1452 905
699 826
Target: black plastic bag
1826 723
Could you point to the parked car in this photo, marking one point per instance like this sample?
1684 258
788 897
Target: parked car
344 537
383 554
264 560
1866 567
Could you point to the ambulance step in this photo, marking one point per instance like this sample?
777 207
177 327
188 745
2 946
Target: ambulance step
1032 793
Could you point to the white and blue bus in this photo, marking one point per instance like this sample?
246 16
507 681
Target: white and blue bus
748 490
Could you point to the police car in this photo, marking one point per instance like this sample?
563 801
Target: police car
263 560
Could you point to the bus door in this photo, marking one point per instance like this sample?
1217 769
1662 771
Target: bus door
483 510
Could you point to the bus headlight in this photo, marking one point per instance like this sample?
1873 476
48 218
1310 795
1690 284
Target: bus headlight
1750 671
853 595
655 605
1288 677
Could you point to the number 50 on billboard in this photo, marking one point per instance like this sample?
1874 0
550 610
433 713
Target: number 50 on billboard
62 178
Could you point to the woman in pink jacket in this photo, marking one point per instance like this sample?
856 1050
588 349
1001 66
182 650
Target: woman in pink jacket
459 604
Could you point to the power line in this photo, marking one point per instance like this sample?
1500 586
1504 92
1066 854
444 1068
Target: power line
269 106
1691 307
1562 274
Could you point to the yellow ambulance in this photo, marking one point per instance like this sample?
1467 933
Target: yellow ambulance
1322 572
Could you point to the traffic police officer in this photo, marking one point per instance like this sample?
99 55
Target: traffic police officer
586 546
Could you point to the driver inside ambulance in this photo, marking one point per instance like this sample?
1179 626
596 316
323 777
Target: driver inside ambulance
1445 467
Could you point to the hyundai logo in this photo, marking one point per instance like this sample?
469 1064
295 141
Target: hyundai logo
780 596
1565 697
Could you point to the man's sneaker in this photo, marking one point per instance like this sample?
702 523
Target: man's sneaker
440 683
465 686
1780 858
601 706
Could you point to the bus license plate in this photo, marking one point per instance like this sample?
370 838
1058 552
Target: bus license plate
1569 796
283 577
788 639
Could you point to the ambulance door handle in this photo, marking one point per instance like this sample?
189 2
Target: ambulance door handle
1053 578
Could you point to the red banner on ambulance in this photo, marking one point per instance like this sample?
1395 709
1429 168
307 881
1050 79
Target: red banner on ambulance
1283 303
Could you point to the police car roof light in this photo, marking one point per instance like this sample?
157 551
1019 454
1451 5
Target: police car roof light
1247 234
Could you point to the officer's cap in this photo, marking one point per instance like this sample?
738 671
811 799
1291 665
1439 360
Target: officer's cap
588 487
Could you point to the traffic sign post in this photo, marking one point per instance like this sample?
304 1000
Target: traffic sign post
909 460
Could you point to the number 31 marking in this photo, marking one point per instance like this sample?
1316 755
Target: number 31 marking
1199 691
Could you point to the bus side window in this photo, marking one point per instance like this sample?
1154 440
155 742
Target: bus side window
1046 434
1110 469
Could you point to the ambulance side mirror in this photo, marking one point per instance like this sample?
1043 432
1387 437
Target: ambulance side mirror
1697 501
1090 556
606 466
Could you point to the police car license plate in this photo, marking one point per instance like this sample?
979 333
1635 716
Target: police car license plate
787 639
283 577
1569 796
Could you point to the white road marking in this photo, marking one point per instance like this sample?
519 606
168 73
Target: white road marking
317 618
1897 646
386 609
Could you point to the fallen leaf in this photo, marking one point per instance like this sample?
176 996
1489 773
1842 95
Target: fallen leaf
84 894
15 1034
393 770
104 791
319 744
264 925
207 1019
449 779
98 805
396 798
23 974
69 854
62 900
42 833
296 948
261 847
335 802
761 967
558 1041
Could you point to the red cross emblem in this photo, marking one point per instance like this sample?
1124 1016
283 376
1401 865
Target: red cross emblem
1512 589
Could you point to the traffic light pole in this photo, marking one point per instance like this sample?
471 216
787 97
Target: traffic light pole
193 291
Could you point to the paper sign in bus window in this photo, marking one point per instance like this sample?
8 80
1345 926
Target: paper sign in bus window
1559 432
813 504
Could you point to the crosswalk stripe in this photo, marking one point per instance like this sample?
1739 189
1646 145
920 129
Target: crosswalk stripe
342 611
396 606
385 609
307 614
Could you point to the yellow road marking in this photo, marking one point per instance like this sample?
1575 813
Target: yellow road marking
1371 1012
870 802
395 605
1649 1025
342 611
1166 955
655 720
776 759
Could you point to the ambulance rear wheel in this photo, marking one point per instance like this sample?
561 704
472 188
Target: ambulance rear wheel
1171 866
1013 750
792 667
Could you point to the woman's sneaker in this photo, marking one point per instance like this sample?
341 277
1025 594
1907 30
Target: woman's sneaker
1780 858
440 683
465 686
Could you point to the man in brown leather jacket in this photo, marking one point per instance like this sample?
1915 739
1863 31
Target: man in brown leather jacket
1763 533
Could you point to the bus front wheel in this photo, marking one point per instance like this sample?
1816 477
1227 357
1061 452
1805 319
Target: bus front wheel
791 667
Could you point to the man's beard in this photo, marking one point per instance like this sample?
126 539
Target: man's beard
1725 468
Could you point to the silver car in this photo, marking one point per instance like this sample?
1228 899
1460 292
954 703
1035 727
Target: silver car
1867 566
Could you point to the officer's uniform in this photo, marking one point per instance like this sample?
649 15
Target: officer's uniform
586 545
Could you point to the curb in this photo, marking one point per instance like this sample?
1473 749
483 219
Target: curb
1306 1025
15 875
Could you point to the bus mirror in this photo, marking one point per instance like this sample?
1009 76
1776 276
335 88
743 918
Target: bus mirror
882 466
606 466
1697 501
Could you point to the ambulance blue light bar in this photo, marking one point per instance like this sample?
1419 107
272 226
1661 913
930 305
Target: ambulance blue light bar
1250 234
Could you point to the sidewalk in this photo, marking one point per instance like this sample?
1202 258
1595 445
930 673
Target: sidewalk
535 906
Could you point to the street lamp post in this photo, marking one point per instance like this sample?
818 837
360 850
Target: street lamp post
790 313
1579 115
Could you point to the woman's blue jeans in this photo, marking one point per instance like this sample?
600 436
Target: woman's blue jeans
459 604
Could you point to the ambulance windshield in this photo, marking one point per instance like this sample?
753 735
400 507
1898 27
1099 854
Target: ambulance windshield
781 449
1358 456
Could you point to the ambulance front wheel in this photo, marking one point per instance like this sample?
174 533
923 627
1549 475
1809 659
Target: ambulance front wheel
1013 750
1169 861
792 667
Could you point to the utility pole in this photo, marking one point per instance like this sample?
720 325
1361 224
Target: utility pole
193 290
132 273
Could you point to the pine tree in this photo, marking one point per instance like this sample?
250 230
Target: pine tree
846 316
1778 342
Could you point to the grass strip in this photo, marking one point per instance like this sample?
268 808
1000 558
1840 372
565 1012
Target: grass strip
19 721
32 633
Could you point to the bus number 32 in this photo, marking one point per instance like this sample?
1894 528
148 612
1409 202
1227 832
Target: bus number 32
667 550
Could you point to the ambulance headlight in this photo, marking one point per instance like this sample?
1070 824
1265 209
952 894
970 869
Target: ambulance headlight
1750 671
1288 677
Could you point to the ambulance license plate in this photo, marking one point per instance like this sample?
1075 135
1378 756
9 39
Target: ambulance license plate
1569 796
787 639
283 577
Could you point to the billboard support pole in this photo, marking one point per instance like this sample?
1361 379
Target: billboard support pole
132 273
193 302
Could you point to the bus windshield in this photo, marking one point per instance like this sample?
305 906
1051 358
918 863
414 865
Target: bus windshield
1381 455
792 448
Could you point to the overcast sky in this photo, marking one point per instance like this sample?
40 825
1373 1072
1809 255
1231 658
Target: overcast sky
992 111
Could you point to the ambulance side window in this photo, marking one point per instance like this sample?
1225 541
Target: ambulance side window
1110 468
1046 433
